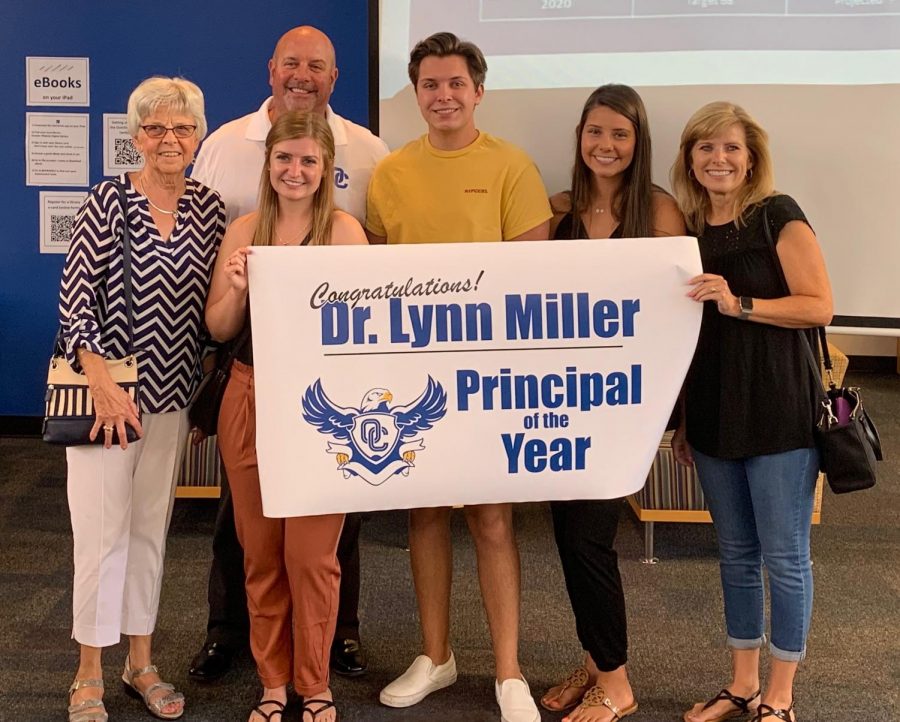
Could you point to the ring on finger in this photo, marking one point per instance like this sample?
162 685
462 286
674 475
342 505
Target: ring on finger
108 428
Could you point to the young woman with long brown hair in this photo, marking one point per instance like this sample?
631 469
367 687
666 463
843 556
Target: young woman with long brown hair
612 196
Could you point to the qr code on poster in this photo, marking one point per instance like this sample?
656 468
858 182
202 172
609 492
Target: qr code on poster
126 154
61 229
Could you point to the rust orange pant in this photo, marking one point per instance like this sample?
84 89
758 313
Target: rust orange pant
293 576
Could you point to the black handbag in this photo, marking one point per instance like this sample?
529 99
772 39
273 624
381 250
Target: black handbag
204 411
844 433
68 405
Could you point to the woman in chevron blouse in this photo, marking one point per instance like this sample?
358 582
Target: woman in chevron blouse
121 495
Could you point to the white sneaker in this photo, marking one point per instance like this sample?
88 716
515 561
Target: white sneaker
421 679
516 702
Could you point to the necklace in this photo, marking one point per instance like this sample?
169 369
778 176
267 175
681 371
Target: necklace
291 241
593 215
174 213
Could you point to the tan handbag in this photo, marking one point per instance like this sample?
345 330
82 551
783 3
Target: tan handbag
69 407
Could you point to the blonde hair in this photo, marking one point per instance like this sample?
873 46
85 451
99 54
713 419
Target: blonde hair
291 126
711 120
177 95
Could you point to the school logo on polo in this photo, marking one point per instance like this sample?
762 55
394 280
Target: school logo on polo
375 441
341 178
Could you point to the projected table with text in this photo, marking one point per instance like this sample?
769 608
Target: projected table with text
609 9
642 25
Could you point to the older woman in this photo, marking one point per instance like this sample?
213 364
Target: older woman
612 196
292 572
750 399
121 494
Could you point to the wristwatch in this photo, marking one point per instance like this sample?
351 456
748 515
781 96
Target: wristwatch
746 307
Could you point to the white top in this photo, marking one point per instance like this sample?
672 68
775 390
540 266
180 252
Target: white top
231 161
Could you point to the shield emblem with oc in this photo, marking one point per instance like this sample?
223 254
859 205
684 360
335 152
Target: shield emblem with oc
375 435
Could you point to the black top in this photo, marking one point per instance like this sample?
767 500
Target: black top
244 354
749 391
564 229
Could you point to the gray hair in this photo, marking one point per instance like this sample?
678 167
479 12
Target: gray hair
175 94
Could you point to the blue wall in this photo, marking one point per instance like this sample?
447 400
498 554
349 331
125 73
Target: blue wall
222 46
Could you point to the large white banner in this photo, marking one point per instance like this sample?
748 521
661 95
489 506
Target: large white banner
411 376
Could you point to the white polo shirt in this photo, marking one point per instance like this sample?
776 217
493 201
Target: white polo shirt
231 160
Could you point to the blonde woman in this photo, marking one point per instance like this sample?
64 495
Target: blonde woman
290 636
750 400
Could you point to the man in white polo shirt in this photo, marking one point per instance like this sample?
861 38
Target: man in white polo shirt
302 73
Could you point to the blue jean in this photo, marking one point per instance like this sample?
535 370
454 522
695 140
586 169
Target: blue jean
762 511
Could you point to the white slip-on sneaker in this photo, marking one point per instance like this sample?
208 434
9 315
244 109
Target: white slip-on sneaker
516 702
421 679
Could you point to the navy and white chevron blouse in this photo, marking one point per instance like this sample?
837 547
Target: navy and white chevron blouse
170 281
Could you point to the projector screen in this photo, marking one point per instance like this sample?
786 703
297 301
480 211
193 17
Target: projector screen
822 76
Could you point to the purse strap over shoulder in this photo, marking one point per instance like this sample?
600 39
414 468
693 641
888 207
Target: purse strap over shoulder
58 347
820 331
126 264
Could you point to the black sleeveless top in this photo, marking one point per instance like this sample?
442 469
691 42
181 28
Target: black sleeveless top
564 229
245 352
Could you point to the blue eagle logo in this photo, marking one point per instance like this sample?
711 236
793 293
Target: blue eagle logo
375 441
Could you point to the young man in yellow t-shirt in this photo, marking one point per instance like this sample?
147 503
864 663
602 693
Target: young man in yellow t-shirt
456 184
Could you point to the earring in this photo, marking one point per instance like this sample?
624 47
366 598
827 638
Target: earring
749 173
691 174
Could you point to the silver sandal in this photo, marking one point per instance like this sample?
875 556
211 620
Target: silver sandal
88 710
155 706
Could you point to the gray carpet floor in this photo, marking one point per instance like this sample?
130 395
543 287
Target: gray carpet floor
674 607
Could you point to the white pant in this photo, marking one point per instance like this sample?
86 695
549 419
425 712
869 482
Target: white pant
121 504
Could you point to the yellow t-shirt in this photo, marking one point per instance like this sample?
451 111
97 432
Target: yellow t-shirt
488 191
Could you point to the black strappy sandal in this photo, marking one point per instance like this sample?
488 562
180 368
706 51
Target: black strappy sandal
742 705
267 716
765 710
326 704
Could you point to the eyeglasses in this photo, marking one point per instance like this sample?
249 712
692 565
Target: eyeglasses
158 131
